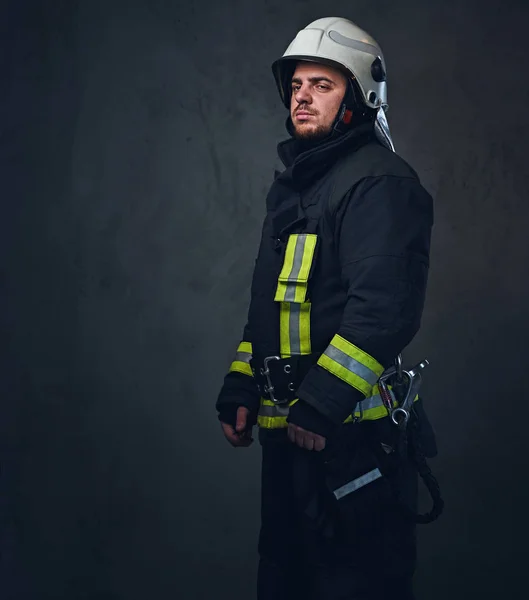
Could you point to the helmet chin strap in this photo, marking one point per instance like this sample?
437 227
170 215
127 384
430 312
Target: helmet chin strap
352 110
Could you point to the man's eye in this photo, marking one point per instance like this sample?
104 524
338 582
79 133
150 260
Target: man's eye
323 87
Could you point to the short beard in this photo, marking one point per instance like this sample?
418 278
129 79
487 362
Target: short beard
312 135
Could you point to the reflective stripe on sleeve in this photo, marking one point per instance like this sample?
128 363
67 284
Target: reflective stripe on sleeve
352 365
241 362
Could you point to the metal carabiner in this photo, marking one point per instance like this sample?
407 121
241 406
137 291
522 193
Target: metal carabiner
385 394
414 383
269 389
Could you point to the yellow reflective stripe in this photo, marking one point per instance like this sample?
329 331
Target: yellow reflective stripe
272 422
352 365
273 416
362 357
245 347
241 362
294 276
241 367
298 257
294 329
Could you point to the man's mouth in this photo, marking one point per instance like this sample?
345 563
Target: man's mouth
303 115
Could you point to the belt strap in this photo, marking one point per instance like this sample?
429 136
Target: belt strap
283 375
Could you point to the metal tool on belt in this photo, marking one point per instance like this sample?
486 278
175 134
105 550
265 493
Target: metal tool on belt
413 378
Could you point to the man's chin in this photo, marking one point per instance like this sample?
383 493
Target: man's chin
311 134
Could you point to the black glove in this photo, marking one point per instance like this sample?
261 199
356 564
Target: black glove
228 414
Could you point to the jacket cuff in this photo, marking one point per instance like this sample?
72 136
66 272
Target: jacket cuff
241 390
303 415
329 395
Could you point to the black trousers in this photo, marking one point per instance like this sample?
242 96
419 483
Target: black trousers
296 560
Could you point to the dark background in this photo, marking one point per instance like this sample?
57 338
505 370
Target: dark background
137 144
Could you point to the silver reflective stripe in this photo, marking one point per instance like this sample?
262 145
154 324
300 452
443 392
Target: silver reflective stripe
358 483
351 364
243 357
274 411
295 340
357 45
290 294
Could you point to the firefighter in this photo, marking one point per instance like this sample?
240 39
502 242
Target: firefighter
337 293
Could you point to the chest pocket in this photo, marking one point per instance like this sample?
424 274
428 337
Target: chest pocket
292 294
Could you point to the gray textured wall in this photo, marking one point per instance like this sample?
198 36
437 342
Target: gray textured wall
137 145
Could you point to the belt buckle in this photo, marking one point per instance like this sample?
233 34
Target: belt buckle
269 389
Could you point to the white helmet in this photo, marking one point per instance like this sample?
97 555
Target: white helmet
339 43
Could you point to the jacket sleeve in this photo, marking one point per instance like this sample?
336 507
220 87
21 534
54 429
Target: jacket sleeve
239 387
382 235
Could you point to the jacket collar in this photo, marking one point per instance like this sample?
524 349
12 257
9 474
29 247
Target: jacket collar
306 161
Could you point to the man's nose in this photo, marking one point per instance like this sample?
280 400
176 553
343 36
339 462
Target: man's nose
302 96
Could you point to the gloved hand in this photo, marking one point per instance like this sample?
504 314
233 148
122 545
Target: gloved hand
239 435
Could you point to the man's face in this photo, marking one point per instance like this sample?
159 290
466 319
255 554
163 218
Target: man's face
317 93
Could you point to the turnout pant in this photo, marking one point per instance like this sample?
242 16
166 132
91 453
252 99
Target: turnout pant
373 559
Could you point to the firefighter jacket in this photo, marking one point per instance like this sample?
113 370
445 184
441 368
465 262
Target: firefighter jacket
338 286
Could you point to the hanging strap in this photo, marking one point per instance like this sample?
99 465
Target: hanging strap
426 475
